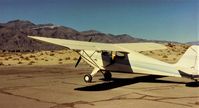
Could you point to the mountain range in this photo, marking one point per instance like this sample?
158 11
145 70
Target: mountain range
193 43
13 36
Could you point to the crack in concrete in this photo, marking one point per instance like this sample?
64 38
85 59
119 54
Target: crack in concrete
38 100
71 105
145 97
154 88
161 88
3 91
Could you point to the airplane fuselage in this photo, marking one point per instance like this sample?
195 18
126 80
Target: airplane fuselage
132 62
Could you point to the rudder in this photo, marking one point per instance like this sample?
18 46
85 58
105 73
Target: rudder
189 62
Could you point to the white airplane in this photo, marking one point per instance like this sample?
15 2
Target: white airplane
125 58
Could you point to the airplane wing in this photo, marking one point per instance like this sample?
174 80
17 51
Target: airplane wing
82 45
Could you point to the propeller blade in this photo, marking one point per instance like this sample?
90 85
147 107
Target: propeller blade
90 39
78 61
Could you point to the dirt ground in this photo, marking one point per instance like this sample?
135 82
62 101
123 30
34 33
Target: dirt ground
62 86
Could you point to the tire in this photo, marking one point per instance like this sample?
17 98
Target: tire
88 78
107 75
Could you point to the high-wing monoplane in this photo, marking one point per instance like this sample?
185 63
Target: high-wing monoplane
125 58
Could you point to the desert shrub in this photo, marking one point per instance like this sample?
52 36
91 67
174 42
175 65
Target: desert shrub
5 58
60 52
20 62
22 57
31 62
60 62
67 58
18 54
1 64
75 58
9 57
185 47
151 52
46 60
60 59
16 59
164 56
170 45
26 58
173 50
52 54
36 59
41 53
32 56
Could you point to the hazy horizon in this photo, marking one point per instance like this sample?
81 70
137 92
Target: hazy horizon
172 20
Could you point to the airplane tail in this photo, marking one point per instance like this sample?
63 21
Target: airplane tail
188 64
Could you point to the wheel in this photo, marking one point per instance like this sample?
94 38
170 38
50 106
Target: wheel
107 75
88 78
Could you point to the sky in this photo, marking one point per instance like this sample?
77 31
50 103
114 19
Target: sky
172 20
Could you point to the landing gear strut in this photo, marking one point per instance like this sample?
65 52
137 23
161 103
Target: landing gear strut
88 77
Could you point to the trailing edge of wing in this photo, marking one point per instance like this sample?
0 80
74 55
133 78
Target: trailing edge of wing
82 45
142 46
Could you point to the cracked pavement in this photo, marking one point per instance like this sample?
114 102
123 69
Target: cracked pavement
62 86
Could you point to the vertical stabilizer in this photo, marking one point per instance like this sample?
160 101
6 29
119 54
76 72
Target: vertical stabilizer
189 62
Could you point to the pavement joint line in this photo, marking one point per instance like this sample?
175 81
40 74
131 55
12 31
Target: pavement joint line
38 100
143 97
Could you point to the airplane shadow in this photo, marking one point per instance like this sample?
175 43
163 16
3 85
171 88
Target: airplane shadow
119 82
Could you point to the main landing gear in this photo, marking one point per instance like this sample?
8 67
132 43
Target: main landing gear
107 75
88 77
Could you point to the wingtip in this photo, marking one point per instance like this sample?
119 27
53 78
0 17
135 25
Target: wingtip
33 37
30 36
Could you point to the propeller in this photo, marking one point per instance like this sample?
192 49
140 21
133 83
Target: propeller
78 61
90 39
80 58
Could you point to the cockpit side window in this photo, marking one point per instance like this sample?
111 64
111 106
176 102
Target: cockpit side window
116 54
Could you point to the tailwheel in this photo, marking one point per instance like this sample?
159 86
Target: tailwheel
107 75
88 78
